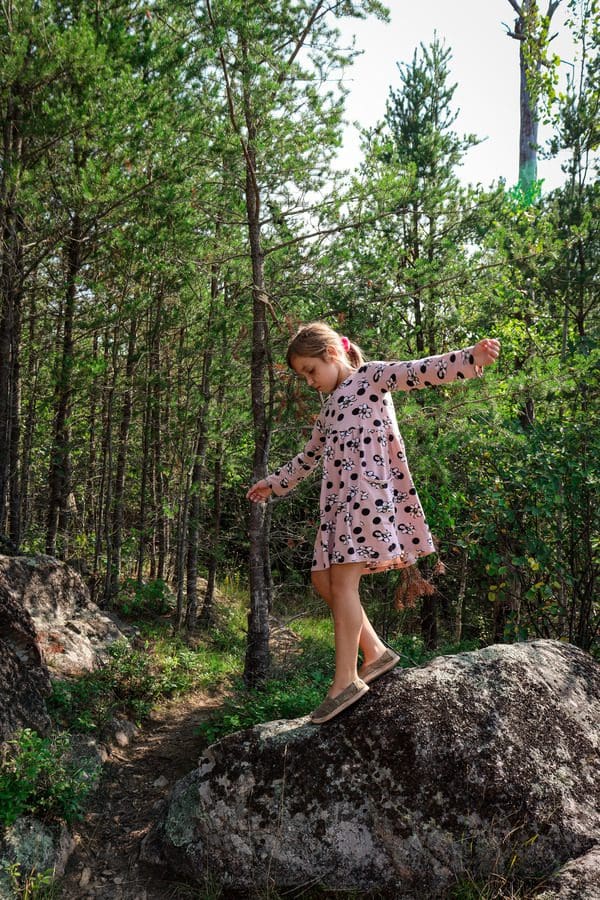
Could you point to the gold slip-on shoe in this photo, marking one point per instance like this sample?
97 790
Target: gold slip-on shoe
386 661
331 706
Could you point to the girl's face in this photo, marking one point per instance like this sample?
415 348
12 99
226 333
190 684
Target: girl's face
322 373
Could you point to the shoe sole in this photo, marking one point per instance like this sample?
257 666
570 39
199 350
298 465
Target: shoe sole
379 672
341 707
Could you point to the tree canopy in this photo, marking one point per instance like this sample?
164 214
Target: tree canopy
170 211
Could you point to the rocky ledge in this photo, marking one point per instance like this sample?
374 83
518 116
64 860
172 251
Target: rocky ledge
72 632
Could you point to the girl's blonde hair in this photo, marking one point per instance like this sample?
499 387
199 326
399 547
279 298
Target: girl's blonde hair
314 339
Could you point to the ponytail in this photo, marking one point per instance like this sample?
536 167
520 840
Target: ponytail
352 351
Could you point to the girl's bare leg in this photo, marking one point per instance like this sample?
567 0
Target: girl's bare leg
338 586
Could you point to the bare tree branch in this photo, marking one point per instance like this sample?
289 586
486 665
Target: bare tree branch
231 106
303 36
552 7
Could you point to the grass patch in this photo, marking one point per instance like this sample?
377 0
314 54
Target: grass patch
298 687
135 678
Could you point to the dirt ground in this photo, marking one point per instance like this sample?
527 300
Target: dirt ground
134 784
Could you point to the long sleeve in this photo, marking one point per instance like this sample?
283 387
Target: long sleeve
285 478
427 372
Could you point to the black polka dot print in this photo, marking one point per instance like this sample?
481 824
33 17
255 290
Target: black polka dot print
370 512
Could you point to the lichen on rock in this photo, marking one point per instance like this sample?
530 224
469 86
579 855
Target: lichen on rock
476 763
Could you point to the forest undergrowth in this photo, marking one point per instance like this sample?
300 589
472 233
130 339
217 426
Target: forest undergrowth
184 694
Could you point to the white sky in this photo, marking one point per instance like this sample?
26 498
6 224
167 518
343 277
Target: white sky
484 64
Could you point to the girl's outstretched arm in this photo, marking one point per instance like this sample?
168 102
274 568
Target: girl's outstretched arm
422 373
283 480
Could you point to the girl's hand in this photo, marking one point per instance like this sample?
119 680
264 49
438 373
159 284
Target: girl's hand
259 492
486 351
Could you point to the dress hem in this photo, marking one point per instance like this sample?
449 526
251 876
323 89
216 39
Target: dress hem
382 565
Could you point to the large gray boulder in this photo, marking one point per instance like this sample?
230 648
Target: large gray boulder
24 679
479 764
72 632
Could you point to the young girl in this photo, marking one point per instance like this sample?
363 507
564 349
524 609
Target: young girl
371 517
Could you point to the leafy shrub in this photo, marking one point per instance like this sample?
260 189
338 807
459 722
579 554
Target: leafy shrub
149 598
39 776
303 686
134 680
29 885
277 699
127 684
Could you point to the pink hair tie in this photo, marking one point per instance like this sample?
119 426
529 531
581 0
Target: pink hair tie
345 343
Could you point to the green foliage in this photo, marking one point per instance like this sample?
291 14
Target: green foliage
39 776
30 885
133 680
127 128
278 699
151 598
304 680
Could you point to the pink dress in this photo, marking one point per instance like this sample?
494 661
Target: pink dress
370 512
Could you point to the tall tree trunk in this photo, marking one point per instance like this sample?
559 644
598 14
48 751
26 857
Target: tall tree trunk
116 489
60 460
108 478
528 128
145 469
207 614
195 504
99 492
197 475
119 492
14 479
159 526
417 304
257 660
460 598
11 277
181 550
90 491
149 458
524 31
33 366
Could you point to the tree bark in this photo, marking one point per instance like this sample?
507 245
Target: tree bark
11 281
90 500
30 414
528 128
159 542
149 454
106 393
195 504
429 626
207 614
114 563
60 461
460 599
257 660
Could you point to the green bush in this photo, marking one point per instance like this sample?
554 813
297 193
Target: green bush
149 598
30 885
39 776
134 680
